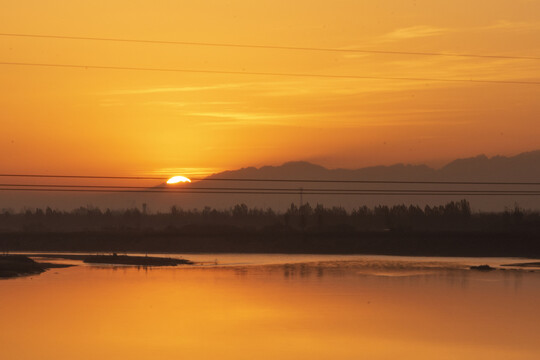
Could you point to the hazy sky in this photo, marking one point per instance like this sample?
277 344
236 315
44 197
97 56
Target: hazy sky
92 121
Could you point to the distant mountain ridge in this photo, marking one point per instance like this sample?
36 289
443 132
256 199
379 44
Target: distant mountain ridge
524 167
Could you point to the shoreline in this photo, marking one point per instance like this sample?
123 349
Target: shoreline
20 265
13 266
26 266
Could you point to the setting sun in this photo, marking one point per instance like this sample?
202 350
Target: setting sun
178 179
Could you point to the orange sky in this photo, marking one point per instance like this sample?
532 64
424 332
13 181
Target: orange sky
133 122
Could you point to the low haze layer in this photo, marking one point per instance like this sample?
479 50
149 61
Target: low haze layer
522 168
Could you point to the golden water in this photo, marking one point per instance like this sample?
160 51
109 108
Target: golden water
270 312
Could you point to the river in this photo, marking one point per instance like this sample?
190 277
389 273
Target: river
233 306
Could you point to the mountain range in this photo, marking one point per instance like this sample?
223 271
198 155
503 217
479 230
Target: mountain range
524 167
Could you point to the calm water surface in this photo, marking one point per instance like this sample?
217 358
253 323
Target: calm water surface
258 307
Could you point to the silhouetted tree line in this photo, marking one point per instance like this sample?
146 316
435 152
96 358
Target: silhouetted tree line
446 230
451 217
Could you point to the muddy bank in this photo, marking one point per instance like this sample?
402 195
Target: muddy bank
20 265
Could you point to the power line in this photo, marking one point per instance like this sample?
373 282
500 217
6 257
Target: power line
83 177
270 47
374 181
304 75
276 180
380 193
295 190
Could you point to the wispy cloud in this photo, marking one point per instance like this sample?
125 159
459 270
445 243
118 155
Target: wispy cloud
256 86
512 26
422 31
413 32
241 116
186 171
159 90
398 123
246 118
178 104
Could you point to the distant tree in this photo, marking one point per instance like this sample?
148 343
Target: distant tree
240 210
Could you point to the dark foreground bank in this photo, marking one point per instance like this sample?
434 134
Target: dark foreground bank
115 259
381 243
135 260
19 265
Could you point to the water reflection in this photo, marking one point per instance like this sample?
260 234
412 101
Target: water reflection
452 274
318 310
